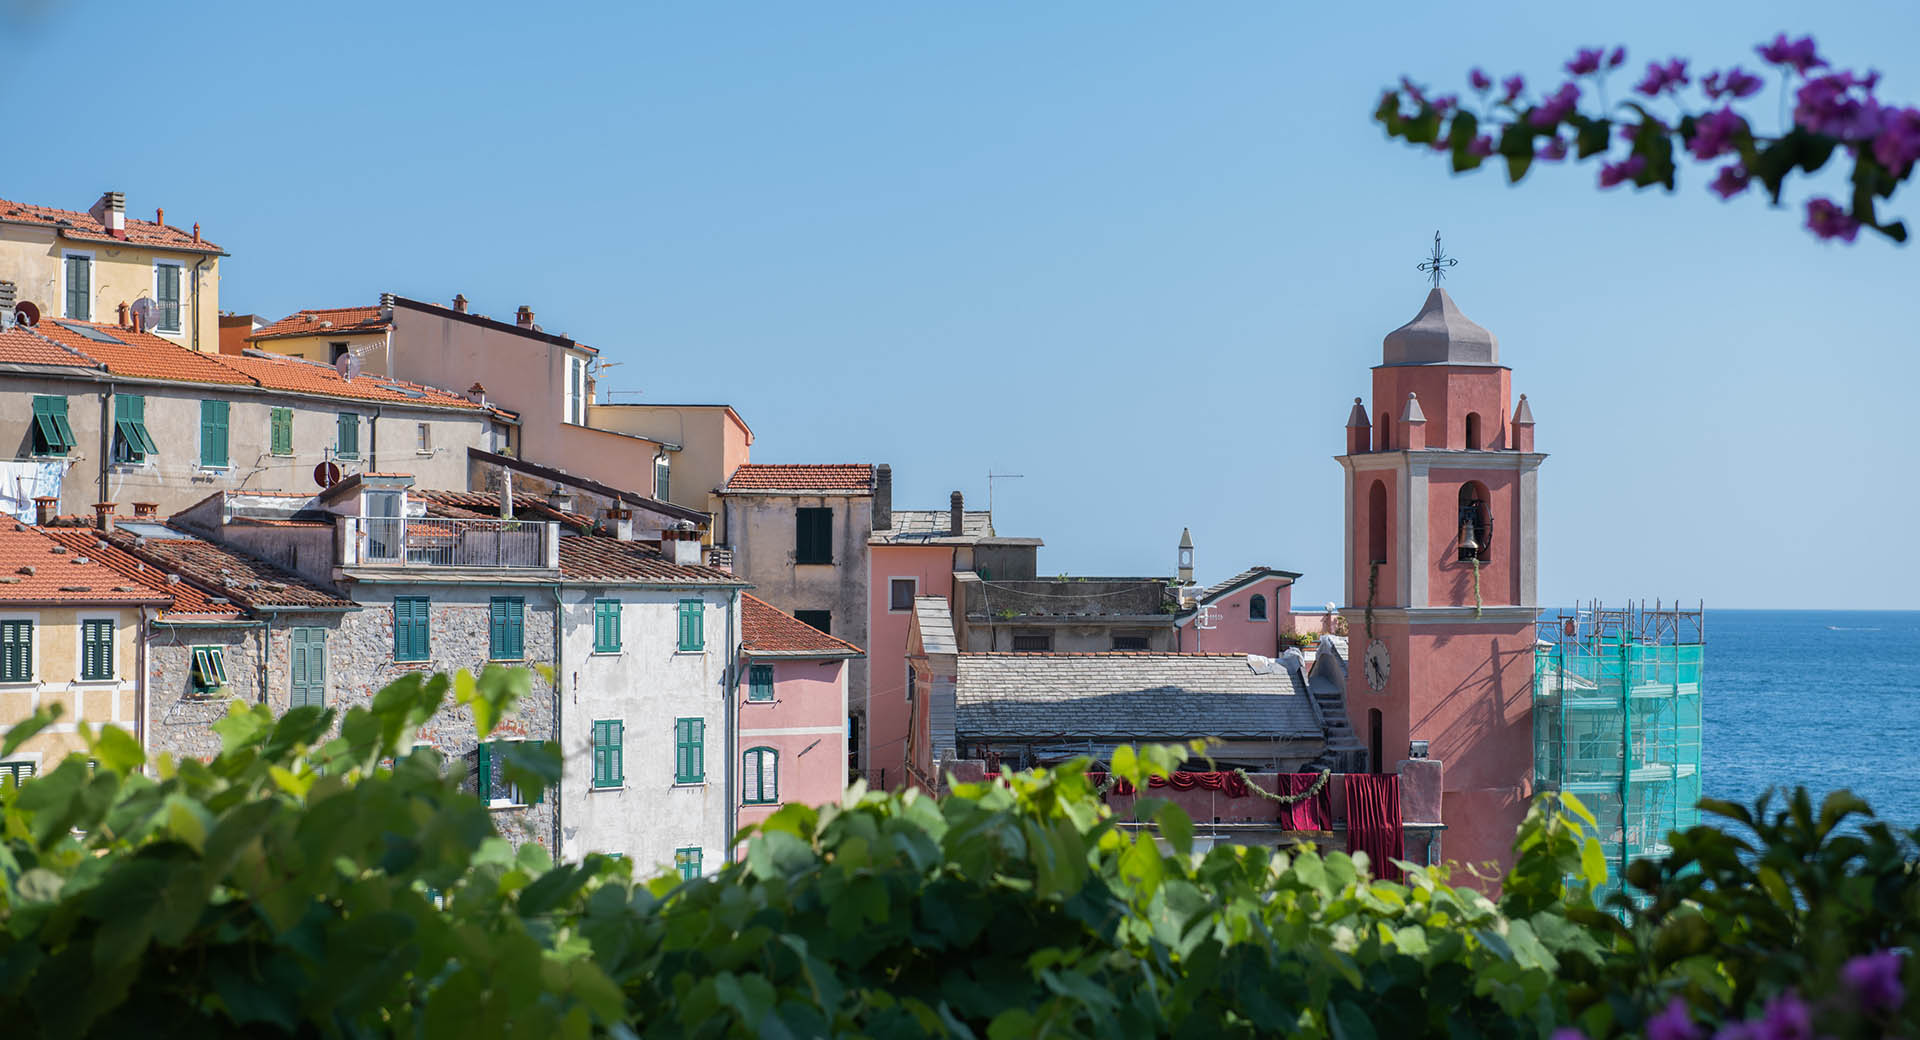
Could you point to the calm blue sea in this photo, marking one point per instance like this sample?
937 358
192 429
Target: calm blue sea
1824 699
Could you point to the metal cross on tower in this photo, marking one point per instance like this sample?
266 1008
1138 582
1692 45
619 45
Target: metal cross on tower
1436 265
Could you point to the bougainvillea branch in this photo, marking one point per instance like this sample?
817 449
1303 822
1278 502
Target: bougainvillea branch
1643 139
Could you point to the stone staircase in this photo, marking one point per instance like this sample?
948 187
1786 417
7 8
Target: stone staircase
1327 686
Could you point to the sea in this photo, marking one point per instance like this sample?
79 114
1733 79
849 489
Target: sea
1823 699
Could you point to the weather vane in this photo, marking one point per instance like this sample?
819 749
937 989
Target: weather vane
1436 265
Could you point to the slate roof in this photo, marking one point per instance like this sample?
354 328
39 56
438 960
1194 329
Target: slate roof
933 526
1128 697
829 478
935 617
325 321
768 631
227 572
1252 574
84 227
35 568
189 601
589 559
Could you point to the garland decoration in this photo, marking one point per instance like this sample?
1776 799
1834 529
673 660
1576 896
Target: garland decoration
1476 585
1319 784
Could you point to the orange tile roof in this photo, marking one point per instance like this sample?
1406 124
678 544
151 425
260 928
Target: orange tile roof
588 559
84 227
35 568
766 629
325 321
20 347
229 573
276 372
190 603
832 477
140 354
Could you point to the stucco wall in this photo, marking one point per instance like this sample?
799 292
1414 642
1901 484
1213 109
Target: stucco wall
647 685
931 568
34 260
712 445
1235 630
56 669
1447 394
805 724
320 348
1451 582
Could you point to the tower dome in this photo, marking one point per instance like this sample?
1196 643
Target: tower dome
1440 335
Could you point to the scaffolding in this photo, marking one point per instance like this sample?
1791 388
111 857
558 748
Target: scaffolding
1616 721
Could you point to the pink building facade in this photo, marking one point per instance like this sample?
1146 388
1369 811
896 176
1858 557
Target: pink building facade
791 712
1248 613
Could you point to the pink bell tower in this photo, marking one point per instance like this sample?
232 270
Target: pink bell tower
1441 574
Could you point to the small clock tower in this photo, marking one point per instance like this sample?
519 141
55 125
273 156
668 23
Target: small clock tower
1441 573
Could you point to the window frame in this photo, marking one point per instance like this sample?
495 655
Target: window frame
280 432
29 649
763 755
507 628
1257 607
913 591
419 614
208 407
1030 634
13 767
67 256
423 439
343 422
315 637
88 626
132 444
1145 642
689 749
607 611
690 638
689 858
759 692
662 478
52 435
612 749
483 754
207 662
817 550
179 299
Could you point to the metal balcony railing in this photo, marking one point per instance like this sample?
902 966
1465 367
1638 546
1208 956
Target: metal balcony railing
431 541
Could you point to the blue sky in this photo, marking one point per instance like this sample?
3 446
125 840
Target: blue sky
1142 254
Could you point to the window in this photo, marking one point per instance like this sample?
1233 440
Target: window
410 641
490 776
760 682
1376 742
19 772
282 423
662 478
813 535
900 593
606 626
16 651
689 751
760 776
209 671
608 767
166 293
687 862
51 434
96 649
574 393
820 619
309 668
1476 522
424 439
693 625
1257 608
853 745
506 628
336 351
1473 431
1130 642
347 444
1032 642
1384 433
80 286
1377 522
213 434
131 442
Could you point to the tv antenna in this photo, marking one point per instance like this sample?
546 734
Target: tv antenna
991 477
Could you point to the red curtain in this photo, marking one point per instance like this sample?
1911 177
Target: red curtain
1373 821
1307 814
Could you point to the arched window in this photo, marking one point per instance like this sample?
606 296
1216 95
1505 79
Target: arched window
1384 433
1376 741
1377 522
1476 523
1473 431
760 776
1257 608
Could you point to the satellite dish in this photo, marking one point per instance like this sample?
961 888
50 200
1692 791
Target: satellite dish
26 313
348 366
143 312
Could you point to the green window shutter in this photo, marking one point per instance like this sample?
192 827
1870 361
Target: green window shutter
410 642
166 278
760 776
483 772
813 535
687 862
507 628
282 431
608 767
132 442
213 433
693 635
16 651
309 668
689 751
606 626
51 433
80 287
96 649
348 444
760 683
662 479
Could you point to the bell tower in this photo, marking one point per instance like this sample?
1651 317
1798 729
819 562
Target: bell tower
1441 573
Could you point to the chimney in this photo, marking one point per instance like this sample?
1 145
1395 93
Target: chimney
196 231
45 508
561 499
681 545
956 515
123 314
882 497
111 212
460 303
524 318
477 394
146 510
8 294
160 216
103 515
620 519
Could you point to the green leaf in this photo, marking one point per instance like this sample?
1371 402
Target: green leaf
116 749
20 732
1176 827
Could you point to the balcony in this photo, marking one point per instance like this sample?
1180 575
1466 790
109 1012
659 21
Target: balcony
448 543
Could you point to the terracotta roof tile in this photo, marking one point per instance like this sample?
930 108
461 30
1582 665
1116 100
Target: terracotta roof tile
326 321
35 568
277 372
584 558
227 572
190 603
20 347
485 505
85 227
766 629
125 352
833 477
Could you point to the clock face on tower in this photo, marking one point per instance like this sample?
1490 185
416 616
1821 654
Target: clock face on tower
1378 665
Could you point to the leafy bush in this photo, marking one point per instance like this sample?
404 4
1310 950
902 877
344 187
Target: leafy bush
310 883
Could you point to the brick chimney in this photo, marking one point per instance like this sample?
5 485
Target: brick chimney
956 515
524 318
882 497
45 508
111 212
146 510
103 515
460 303
681 545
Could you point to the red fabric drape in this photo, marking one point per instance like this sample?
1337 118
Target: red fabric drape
1373 821
1229 784
1307 814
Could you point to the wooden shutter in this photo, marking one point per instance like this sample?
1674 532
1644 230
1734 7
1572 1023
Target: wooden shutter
167 292
80 287
282 431
760 682
348 443
606 626
483 772
309 668
410 632
213 433
692 625
96 649
506 629
16 651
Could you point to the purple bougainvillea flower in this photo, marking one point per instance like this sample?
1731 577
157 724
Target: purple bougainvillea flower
1798 55
1586 61
1675 1023
1714 133
1481 146
1898 144
1738 1031
1553 151
1874 980
1787 1017
1513 85
1479 80
1627 169
1732 180
1568 1033
1827 220
1446 103
1661 78
1735 82
1555 106
1617 58
1829 105
1413 91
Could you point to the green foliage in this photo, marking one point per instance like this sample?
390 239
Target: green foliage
320 882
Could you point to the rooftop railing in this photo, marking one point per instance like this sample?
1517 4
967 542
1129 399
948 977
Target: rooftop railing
433 541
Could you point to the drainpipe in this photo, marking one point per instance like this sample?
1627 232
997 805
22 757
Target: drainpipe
373 443
266 651
196 300
559 711
140 684
729 684
106 443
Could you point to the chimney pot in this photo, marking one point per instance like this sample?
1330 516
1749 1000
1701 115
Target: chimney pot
103 515
123 314
146 509
525 317
160 216
45 508
460 303
111 212
196 231
882 497
955 514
